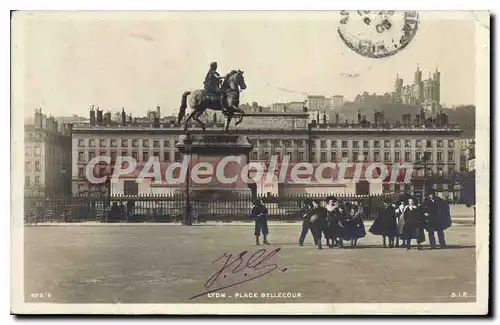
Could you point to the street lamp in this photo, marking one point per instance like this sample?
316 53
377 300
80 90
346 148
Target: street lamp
424 161
187 220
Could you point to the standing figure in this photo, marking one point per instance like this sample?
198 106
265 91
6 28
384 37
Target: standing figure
306 213
318 222
400 220
412 228
354 228
114 212
259 214
385 223
334 218
437 217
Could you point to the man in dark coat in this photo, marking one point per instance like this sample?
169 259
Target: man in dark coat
306 213
385 223
437 217
318 222
259 214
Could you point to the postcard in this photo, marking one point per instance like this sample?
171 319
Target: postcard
250 162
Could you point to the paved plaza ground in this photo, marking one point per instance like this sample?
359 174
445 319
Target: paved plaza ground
151 263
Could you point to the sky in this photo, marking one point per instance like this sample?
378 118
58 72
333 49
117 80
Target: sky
64 62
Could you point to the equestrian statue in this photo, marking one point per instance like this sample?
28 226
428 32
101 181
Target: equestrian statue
219 94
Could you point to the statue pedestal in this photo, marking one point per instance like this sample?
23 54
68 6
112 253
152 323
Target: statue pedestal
215 166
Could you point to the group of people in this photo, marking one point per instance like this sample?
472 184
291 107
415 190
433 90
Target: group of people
336 221
403 221
399 223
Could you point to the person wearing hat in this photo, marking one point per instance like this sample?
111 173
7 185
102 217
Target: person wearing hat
437 218
354 227
385 223
318 222
399 207
334 226
412 228
259 214
306 213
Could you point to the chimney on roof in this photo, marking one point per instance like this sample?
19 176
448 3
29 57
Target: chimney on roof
124 117
92 116
107 118
359 117
304 109
38 119
337 118
99 116
156 120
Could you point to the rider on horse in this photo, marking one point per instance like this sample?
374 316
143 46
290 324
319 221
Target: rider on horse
212 80
212 85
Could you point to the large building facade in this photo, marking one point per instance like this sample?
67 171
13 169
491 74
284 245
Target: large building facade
47 156
279 135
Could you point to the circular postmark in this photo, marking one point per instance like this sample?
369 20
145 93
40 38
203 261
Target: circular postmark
377 34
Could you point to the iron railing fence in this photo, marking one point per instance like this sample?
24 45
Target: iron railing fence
170 208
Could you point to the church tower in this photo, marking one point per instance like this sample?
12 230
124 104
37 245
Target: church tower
398 89
436 76
417 82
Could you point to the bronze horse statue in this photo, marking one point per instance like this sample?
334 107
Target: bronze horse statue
228 102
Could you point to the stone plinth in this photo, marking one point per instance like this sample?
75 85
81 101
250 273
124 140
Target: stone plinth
215 165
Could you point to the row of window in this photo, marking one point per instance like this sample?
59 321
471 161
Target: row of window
135 154
27 181
28 166
385 143
124 143
408 187
146 143
354 143
377 156
29 152
419 156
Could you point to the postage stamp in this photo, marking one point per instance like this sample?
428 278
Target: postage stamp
378 34
250 162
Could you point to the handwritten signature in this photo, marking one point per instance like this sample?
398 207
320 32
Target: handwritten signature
241 265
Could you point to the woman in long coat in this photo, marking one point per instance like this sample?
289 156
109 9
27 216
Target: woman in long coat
400 220
354 228
385 223
413 226
335 215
